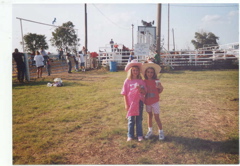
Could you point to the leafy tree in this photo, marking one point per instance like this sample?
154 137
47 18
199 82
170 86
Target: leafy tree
203 39
65 37
33 42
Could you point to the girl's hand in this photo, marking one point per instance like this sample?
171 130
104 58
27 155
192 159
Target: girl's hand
160 88
126 108
141 89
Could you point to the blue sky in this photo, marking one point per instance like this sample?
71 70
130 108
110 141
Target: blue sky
113 21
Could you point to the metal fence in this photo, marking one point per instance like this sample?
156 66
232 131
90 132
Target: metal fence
177 59
180 58
198 58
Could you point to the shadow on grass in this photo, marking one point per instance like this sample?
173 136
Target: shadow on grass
196 144
31 83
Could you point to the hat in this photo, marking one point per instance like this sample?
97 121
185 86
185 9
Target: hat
133 63
156 67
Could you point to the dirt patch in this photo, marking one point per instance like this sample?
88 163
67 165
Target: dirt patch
90 75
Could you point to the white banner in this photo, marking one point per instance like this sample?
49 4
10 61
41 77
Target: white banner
141 49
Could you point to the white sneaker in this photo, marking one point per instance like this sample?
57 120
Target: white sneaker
129 139
161 136
140 139
149 134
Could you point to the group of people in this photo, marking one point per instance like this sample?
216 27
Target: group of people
41 59
79 59
139 90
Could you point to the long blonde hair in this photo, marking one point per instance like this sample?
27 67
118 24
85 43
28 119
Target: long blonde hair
130 76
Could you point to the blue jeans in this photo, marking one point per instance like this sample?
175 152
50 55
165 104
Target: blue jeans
48 68
138 120
69 66
21 70
76 66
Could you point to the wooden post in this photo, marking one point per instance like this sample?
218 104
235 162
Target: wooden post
86 37
22 35
159 28
168 24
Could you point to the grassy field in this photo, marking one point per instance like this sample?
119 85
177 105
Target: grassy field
84 122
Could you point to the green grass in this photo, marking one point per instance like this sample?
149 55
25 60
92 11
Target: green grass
84 122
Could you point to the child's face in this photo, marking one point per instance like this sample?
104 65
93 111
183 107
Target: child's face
149 73
135 72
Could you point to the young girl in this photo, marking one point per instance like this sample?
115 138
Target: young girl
39 63
154 88
134 91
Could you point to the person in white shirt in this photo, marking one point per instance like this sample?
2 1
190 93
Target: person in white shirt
82 61
39 63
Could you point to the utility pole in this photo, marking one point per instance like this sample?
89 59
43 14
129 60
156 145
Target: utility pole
22 35
173 40
86 40
168 24
132 37
159 28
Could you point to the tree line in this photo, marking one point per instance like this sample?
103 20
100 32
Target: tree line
64 37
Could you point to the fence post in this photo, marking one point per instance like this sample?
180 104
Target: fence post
214 55
27 73
196 58
224 55
190 59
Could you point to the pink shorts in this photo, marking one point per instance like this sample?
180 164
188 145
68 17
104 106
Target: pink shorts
155 108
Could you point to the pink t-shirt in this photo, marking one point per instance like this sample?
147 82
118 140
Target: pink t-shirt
129 90
152 95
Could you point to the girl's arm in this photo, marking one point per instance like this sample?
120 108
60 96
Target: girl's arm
125 102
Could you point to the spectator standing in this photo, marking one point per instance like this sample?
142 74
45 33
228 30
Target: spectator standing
157 58
75 58
68 58
44 54
18 57
60 54
115 47
39 63
82 61
84 50
130 57
48 65
111 43
94 55
32 58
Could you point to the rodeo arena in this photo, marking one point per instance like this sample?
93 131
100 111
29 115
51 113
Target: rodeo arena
114 57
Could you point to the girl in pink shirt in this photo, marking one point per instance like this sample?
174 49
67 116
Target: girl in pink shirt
154 88
134 91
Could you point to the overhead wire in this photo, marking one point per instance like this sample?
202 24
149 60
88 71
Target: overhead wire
125 28
200 5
